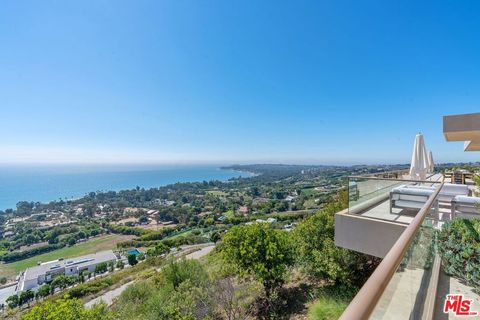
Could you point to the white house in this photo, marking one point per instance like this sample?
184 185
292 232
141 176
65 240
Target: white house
45 272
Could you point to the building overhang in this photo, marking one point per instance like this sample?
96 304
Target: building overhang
472 146
462 127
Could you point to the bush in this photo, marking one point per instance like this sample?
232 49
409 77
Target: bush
321 258
67 309
459 247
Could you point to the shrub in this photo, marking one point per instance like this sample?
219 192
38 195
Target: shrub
459 247
67 309
321 258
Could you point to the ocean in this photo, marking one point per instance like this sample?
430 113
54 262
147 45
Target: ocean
47 183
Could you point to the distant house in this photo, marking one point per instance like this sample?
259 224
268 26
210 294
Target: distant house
243 210
45 272
8 234
290 198
165 202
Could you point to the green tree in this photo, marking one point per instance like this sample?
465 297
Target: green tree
12 301
71 241
321 258
260 251
63 281
120 264
44 291
26 296
215 237
143 219
132 259
101 267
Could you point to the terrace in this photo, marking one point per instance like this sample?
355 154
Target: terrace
393 217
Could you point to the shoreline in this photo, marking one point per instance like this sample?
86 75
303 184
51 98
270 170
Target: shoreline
80 184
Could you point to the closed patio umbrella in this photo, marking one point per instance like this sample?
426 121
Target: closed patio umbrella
419 164
431 165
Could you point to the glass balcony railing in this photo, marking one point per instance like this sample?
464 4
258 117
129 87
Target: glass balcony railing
404 285
413 280
391 199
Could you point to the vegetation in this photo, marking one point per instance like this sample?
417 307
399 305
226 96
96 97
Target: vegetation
258 270
260 251
318 254
132 259
327 308
459 247
66 309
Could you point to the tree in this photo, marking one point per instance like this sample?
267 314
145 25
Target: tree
141 256
44 291
132 259
215 237
12 301
71 241
101 268
26 296
120 264
161 248
321 258
3 280
260 251
143 220
63 281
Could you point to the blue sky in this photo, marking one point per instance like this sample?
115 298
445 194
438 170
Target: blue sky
234 81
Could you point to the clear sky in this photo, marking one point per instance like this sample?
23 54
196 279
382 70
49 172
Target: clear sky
234 81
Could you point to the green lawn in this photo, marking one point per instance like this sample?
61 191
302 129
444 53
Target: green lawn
217 193
91 246
180 234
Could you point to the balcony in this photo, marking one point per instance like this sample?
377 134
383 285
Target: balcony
401 229
370 225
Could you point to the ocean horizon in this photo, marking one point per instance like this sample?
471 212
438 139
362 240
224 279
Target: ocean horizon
45 183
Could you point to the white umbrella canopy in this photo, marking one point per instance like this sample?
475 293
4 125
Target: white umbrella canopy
431 164
419 164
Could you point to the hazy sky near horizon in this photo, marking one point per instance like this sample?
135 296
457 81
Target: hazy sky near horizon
234 81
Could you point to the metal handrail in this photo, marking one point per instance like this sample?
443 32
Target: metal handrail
362 306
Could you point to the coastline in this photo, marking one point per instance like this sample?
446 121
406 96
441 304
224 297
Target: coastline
46 185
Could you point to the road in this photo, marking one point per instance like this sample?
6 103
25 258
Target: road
109 296
6 292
